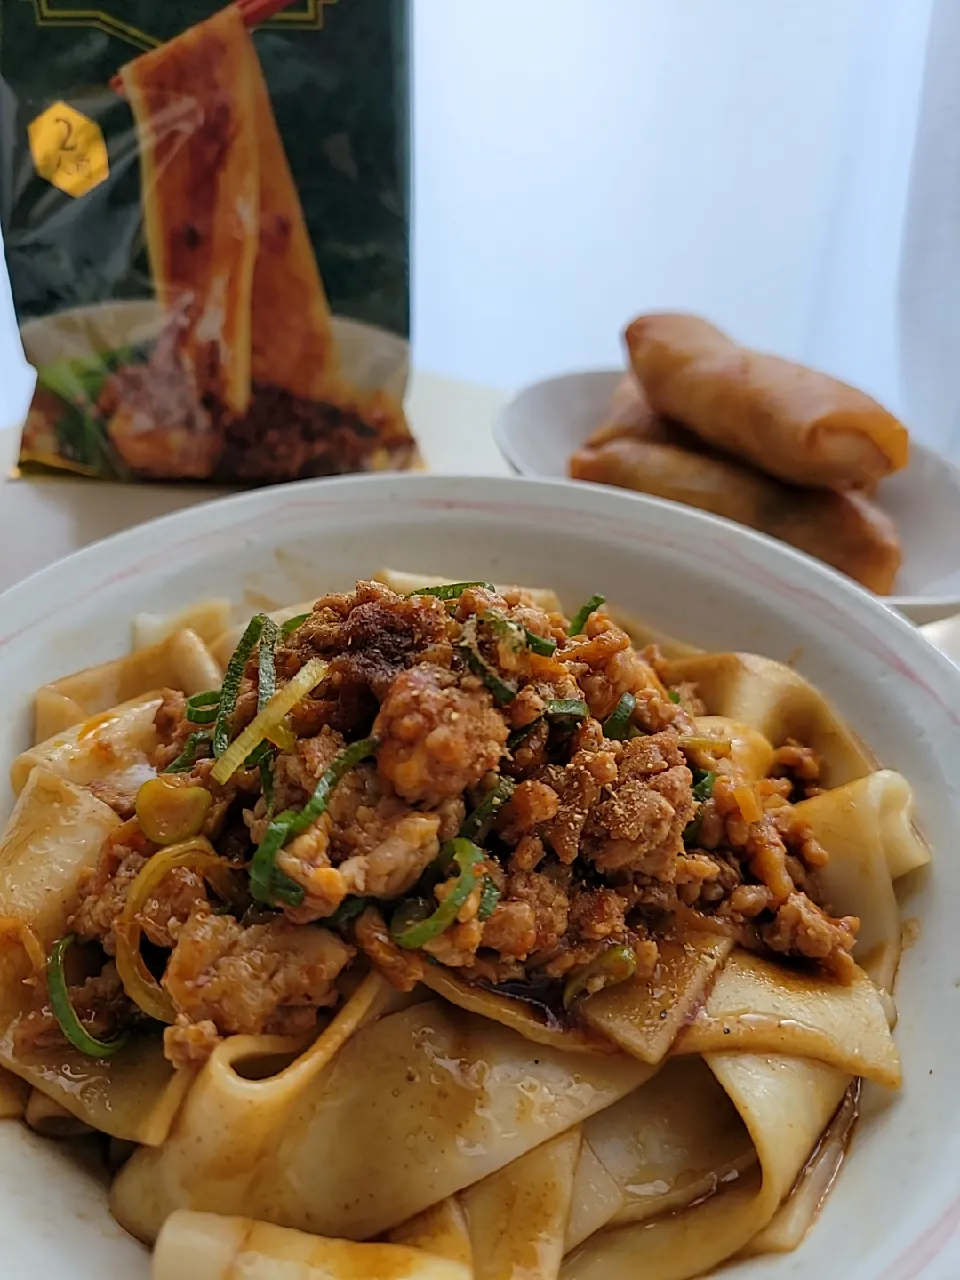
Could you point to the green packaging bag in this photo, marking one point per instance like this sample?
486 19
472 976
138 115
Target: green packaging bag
205 217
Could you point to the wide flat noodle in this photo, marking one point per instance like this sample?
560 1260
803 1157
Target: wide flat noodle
204 1246
774 700
134 1096
532 1021
337 1155
181 661
760 1007
14 1093
51 1120
206 618
866 828
111 744
231 1120
53 837
676 1140
794 1218
644 1016
195 105
785 1103
596 1196
518 1216
440 1230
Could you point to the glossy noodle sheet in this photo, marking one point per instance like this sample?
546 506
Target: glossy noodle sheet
426 930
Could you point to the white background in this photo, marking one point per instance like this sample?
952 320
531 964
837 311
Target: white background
578 161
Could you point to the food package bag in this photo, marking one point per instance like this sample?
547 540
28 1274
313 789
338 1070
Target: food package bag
205 215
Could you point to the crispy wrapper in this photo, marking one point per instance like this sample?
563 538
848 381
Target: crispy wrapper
794 423
845 530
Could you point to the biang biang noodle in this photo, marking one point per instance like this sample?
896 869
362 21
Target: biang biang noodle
426 931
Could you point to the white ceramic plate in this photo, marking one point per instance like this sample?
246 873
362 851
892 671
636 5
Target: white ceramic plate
895 1214
543 425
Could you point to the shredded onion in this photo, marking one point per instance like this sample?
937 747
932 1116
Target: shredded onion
268 721
139 983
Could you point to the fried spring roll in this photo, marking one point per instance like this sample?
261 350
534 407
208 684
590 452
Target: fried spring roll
844 530
792 422
629 413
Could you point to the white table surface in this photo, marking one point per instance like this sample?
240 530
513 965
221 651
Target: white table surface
44 519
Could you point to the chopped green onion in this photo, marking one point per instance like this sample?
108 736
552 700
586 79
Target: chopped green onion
617 724
188 756
202 707
266 882
231 683
523 637
522 734
560 709
348 910
66 1015
265 765
266 663
489 897
467 857
503 690
691 832
703 787
580 618
673 695
293 624
477 824
567 709
616 964
409 913
450 590
544 645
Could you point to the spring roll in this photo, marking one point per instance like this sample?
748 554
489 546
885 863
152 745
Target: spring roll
629 413
845 530
792 422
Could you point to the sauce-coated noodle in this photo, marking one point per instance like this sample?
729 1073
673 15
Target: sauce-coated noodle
528 953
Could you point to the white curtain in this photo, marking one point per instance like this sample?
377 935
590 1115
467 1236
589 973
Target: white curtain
929 330
578 161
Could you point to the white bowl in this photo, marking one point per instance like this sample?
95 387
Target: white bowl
895 1212
548 421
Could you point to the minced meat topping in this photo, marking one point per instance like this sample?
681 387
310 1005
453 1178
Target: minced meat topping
489 723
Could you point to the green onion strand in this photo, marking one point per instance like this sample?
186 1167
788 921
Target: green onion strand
616 727
478 823
467 857
188 756
267 884
231 683
581 616
202 707
450 590
66 1015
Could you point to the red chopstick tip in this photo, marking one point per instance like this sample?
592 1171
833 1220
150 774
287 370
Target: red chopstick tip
253 12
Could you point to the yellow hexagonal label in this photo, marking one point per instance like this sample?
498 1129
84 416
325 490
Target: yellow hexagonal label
68 149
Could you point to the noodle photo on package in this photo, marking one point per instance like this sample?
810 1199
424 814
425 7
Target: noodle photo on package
206 229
